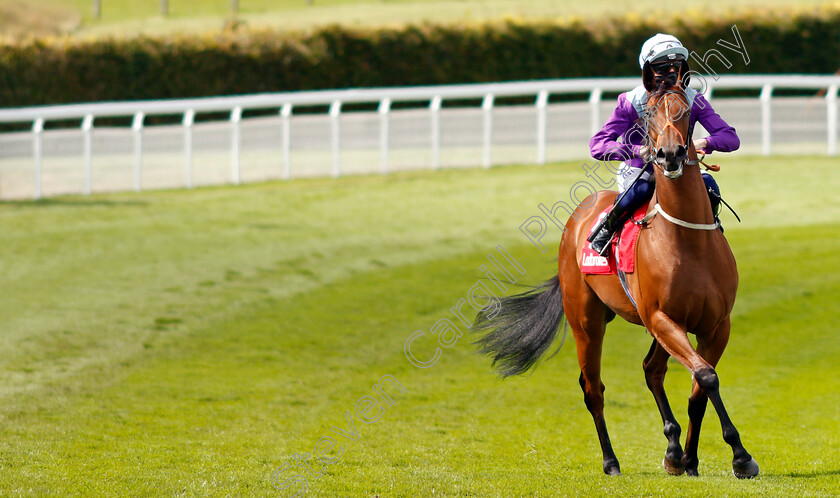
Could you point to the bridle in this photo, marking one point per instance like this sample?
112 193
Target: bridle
672 175
686 140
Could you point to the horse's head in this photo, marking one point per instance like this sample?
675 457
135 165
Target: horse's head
667 119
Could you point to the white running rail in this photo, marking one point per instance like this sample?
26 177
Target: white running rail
386 129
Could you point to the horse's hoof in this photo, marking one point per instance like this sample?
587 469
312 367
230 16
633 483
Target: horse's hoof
612 469
690 465
673 467
746 470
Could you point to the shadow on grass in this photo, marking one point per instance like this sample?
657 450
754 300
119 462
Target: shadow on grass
810 475
795 475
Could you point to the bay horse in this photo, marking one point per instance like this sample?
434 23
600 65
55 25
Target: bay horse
685 281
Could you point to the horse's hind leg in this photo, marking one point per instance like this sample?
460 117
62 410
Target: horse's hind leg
655 366
588 319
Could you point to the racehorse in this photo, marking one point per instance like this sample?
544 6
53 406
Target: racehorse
685 281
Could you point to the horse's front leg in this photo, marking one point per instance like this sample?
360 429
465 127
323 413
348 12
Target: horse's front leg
655 366
674 339
705 386
696 411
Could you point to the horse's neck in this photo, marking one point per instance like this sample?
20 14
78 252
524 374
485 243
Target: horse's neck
685 198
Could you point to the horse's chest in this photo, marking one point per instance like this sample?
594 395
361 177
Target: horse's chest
696 299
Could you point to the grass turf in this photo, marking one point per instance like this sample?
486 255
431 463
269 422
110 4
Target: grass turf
185 343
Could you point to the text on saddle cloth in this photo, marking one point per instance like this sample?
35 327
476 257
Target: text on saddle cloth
622 255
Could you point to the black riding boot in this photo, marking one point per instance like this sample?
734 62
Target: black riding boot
602 235
714 197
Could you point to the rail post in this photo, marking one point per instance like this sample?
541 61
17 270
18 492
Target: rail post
286 115
595 110
434 109
38 154
487 108
335 121
831 119
766 118
236 142
384 133
542 106
137 132
87 133
187 122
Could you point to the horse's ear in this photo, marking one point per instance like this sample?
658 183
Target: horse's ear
648 77
684 74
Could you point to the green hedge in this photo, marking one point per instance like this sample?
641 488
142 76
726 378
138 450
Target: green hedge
241 62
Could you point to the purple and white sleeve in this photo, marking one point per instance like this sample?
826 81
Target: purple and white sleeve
722 136
604 146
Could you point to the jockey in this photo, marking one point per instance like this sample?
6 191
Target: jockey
662 57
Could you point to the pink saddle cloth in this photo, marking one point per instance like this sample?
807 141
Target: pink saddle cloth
622 255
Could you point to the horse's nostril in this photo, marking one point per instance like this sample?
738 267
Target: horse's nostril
681 151
660 154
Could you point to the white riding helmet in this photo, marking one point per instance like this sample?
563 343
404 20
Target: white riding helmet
661 46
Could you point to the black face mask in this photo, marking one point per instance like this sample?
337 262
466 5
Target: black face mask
666 80
681 73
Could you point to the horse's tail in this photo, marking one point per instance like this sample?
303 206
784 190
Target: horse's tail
522 329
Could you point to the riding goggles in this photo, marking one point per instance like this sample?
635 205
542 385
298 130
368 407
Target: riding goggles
665 67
